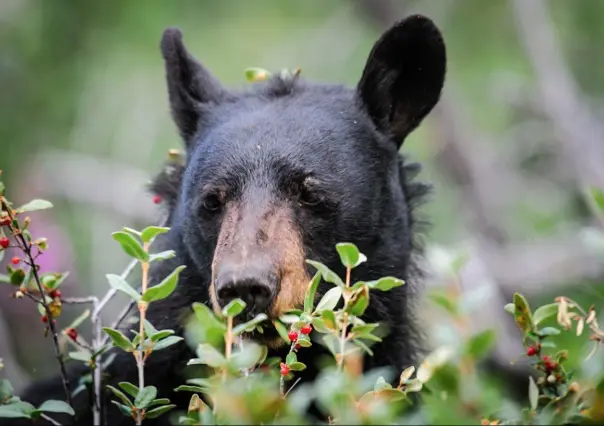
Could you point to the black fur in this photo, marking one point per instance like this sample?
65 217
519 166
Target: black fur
256 143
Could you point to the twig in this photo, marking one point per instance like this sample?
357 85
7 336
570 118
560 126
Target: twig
51 420
79 300
141 354
345 321
26 248
291 387
112 292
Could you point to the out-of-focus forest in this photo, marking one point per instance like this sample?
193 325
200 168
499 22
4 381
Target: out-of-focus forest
518 135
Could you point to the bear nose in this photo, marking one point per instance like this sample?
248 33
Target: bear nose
252 285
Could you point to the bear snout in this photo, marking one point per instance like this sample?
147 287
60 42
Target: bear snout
255 283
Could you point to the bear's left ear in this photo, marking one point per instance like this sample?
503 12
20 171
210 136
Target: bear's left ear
403 76
190 85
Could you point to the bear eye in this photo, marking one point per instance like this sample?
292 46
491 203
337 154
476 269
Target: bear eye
212 202
308 193
309 197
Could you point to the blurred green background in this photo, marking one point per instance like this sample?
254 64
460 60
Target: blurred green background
84 122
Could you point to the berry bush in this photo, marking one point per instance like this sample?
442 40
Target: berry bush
448 387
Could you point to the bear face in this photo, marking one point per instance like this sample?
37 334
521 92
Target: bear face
283 172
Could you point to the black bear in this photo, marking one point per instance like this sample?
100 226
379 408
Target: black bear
278 174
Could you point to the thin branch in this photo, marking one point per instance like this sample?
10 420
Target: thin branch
26 248
79 300
51 420
112 292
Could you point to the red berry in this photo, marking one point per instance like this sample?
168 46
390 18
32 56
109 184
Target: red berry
547 358
44 319
72 333
284 369
293 335
55 294
531 351
15 260
157 199
298 346
306 329
4 242
5 221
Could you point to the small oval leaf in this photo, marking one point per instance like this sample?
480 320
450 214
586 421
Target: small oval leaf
164 288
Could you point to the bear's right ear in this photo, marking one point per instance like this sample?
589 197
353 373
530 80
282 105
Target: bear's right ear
190 85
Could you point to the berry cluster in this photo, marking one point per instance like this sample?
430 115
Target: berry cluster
293 336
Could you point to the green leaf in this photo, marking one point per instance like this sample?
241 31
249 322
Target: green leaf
522 314
282 330
330 299
320 325
360 303
159 334
131 246
291 357
3 277
156 412
123 408
54 406
190 388
131 389
162 255
121 395
247 357
597 196
361 330
234 308
207 354
80 356
385 284
145 396
119 339
17 276
132 231
159 401
296 366
309 298
480 344
250 325
34 205
380 384
363 346
164 288
16 410
544 312
151 232
206 317
444 302
331 342
168 341
255 74
549 331
328 275
350 255
533 393
6 389
120 284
